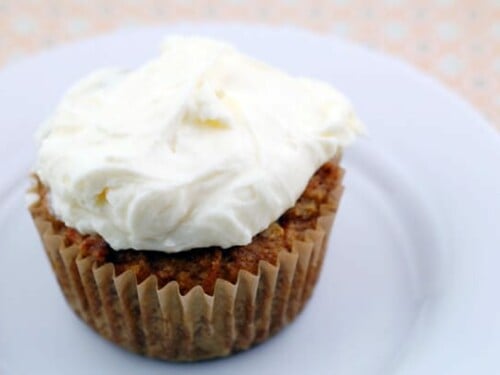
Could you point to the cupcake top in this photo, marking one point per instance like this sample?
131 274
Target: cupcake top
202 146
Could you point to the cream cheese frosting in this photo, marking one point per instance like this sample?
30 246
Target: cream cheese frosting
202 146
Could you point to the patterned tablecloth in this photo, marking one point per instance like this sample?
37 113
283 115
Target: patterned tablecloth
457 41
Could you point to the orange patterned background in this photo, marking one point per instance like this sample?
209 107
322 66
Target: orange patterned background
457 41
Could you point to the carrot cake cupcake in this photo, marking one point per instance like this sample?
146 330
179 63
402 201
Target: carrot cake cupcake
185 205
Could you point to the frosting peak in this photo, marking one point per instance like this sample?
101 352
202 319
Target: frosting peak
199 147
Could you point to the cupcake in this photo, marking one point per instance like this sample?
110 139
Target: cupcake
185 206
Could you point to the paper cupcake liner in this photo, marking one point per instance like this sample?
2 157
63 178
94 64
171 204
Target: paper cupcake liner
164 324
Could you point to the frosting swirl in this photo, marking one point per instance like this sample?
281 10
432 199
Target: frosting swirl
199 147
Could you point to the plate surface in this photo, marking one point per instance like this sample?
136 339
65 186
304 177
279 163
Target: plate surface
410 282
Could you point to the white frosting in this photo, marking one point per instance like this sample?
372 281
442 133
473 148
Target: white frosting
199 147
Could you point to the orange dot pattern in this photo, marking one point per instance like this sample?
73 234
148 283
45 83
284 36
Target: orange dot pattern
457 41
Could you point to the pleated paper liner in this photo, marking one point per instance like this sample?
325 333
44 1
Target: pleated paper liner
164 324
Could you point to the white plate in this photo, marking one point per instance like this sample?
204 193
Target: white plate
410 284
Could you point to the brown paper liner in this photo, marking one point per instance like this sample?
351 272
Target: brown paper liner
164 324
